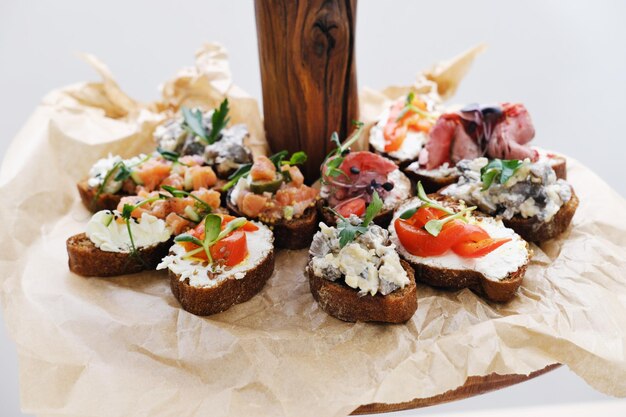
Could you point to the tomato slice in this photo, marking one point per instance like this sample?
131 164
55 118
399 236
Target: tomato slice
478 249
425 214
419 242
248 226
354 206
231 250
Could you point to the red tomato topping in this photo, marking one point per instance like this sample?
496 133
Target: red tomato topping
230 250
478 249
354 206
466 240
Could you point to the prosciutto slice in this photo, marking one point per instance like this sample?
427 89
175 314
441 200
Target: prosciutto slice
492 131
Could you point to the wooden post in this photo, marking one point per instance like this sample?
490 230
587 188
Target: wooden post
308 73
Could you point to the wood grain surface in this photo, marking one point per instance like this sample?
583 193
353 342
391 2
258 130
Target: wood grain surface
475 385
308 74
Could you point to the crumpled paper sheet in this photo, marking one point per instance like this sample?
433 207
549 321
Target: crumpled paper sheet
122 347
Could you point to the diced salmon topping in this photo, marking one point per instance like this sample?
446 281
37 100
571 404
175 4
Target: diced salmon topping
263 169
202 177
252 204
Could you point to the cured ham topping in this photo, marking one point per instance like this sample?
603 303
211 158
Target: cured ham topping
493 131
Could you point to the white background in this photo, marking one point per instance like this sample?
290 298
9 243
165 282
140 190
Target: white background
566 60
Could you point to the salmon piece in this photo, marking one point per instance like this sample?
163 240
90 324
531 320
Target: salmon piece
176 223
263 169
252 204
153 172
211 197
284 197
133 200
202 177
297 179
191 160
174 180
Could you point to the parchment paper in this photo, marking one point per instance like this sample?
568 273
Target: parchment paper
122 347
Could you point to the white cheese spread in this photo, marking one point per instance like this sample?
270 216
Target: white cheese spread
369 264
111 235
532 191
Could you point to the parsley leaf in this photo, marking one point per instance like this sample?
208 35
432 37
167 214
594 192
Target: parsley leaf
373 209
219 120
348 231
500 170
169 155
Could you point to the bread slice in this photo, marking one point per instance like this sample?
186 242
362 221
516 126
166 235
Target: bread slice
432 181
104 201
453 279
89 261
533 230
296 233
204 301
345 303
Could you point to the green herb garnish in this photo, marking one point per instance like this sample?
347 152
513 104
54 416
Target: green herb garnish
212 234
169 155
434 226
428 202
348 231
205 208
219 120
500 170
127 212
408 106
331 166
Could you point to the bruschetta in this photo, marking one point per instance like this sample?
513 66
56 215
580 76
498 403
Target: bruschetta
222 262
206 134
403 128
272 191
451 247
114 244
349 179
501 131
355 273
526 195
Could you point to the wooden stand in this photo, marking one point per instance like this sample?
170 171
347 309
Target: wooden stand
475 385
308 73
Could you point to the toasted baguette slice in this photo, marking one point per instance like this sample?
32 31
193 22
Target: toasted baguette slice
437 275
204 301
89 261
296 233
532 230
432 180
345 303
104 201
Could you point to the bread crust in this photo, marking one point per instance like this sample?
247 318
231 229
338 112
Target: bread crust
344 303
296 233
231 291
85 259
105 201
532 230
455 279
